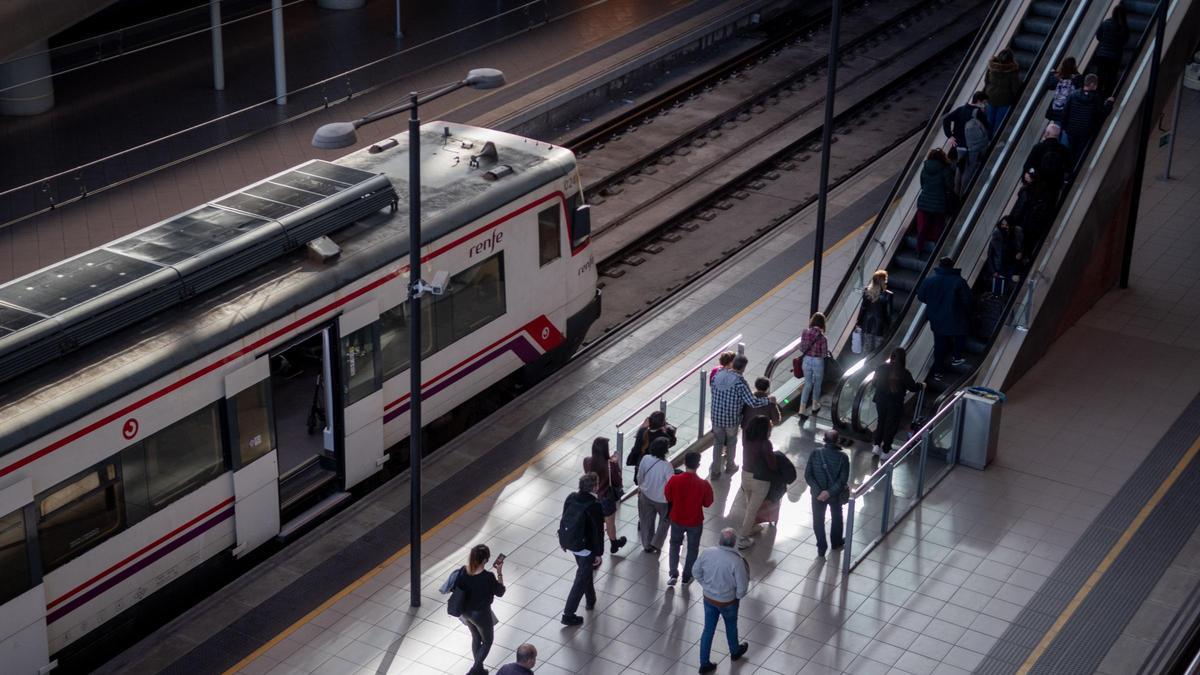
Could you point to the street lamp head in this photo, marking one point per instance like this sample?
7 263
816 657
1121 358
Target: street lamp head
335 135
484 78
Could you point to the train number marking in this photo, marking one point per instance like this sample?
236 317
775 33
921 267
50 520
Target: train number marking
130 429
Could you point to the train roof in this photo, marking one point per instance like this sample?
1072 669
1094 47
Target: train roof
455 191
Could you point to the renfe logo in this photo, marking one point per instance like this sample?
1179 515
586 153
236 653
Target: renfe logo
487 245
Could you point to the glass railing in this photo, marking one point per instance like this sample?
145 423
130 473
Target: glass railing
684 401
880 501
152 153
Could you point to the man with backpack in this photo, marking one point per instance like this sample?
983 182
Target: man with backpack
581 531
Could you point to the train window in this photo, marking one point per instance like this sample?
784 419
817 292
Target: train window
393 336
359 376
473 298
172 462
14 557
255 427
78 514
549 237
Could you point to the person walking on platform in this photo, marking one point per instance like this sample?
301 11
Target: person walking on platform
1082 117
892 380
762 389
875 316
724 577
688 494
947 298
1111 39
480 588
814 347
581 531
606 468
758 466
828 476
729 393
933 202
1002 83
653 472
783 476
655 426
526 659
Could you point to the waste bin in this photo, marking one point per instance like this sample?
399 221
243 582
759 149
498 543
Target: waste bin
981 426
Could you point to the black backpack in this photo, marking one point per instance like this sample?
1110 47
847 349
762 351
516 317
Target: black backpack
572 529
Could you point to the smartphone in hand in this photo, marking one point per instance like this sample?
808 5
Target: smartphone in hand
499 560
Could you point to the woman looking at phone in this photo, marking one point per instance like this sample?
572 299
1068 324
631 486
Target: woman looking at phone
481 587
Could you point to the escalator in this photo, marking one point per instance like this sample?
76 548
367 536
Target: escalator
992 305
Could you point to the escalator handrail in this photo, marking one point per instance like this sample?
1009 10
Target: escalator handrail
992 17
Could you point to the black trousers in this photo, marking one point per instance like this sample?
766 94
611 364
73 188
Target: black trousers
946 347
835 526
582 586
887 425
479 622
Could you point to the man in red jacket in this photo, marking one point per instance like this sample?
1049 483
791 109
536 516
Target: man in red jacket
687 495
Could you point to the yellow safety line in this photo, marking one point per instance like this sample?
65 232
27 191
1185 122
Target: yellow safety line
515 473
1108 560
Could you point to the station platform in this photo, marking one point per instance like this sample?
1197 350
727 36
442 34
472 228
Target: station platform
1070 554
442 42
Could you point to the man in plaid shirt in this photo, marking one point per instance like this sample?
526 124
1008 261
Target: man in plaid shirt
729 393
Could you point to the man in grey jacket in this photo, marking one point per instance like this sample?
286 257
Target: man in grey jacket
724 576
828 476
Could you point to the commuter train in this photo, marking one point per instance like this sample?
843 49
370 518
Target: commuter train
188 392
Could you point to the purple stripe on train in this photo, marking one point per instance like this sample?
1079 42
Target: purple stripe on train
519 345
137 567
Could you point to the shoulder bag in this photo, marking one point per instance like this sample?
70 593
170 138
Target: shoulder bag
458 597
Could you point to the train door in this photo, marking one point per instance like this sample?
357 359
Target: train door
552 244
361 373
24 647
304 406
255 456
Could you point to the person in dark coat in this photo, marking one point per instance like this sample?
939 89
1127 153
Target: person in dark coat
892 381
655 426
782 476
604 464
954 123
875 317
589 557
937 189
481 588
1002 84
1083 116
1111 39
1051 161
1006 250
947 299
1033 211
827 474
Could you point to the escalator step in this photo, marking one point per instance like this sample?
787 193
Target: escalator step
1037 25
1030 43
1046 8
903 279
1136 7
909 260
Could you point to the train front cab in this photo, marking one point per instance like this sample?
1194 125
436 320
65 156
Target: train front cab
23 639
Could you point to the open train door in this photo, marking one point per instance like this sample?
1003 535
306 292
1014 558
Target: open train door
255 456
24 646
361 375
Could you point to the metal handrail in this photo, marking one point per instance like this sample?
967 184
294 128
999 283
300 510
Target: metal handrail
658 395
905 450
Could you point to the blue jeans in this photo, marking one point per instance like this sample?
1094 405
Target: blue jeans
995 116
711 612
693 548
814 371
835 526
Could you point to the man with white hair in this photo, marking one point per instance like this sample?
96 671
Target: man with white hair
724 576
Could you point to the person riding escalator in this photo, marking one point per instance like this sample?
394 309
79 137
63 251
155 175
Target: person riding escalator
892 382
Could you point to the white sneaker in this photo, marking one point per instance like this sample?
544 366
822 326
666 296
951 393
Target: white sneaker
876 450
744 544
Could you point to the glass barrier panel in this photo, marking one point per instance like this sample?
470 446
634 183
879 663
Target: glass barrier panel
937 462
905 475
683 411
868 519
867 414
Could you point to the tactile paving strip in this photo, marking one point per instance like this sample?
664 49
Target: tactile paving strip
1091 631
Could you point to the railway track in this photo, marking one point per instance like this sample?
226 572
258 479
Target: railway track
681 189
